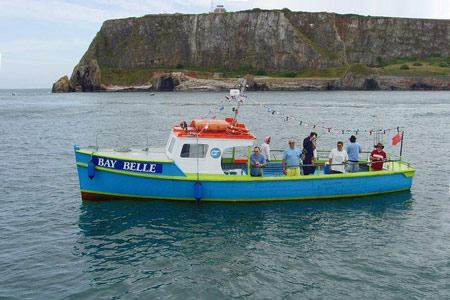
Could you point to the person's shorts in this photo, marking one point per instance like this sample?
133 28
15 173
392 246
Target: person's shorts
353 167
293 172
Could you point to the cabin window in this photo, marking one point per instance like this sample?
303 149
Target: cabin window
172 143
194 150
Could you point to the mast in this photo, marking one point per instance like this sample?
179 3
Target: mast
238 94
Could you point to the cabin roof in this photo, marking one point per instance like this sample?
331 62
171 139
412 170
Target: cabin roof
214 129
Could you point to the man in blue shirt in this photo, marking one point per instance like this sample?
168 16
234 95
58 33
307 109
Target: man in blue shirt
257 161
353 149
291 160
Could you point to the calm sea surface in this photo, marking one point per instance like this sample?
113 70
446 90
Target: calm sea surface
56 246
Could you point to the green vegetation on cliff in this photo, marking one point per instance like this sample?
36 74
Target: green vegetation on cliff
125 77
429 66
336 72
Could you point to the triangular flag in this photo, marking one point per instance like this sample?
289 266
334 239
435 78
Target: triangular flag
397 138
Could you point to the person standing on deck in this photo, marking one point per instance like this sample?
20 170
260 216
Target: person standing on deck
337 158
308 148
291 160
265 148
377 157
353 149
257 161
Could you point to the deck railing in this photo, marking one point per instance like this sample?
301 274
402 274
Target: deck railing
275 168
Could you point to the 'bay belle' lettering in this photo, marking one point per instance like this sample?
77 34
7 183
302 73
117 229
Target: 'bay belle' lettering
132 166
107 163
128 165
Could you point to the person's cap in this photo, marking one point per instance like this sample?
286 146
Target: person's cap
352 138
266 139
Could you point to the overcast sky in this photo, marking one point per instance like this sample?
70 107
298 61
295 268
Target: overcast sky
43 40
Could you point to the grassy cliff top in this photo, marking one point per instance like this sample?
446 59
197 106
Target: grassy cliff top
428 67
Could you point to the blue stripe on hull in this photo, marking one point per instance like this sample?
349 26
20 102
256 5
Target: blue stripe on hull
306 189
115 184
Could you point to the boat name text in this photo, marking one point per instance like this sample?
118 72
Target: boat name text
127 165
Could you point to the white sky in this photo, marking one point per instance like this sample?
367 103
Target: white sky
43 40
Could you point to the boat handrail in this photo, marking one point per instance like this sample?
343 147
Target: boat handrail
326 163
398 157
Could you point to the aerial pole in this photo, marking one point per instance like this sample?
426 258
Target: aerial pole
401 145
238 94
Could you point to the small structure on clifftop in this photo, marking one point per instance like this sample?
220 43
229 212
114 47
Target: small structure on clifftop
220 9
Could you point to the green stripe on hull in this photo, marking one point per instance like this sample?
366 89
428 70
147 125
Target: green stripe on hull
234 178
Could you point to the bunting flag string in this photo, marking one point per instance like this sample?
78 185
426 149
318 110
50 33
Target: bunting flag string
314 125
219 108
289 118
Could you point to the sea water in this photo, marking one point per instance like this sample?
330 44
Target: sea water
56 246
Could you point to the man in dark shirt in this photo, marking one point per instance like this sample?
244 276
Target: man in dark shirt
309 147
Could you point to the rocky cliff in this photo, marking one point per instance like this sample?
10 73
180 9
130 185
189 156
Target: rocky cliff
273 41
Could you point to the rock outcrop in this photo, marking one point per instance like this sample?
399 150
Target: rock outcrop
273 41
86 76
359 77
62 86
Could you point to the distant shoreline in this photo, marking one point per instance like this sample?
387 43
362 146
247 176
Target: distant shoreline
304 84
180 81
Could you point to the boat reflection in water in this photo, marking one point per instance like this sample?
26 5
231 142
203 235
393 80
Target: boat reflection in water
125 229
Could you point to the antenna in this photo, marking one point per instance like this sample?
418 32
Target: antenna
243 85
378 133
212 5
238 94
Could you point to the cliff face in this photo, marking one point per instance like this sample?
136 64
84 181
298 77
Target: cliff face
275 41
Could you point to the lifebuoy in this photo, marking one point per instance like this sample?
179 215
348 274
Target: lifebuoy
231 129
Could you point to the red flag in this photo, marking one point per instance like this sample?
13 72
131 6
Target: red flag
397 138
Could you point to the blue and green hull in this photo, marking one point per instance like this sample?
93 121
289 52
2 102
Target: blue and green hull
172 184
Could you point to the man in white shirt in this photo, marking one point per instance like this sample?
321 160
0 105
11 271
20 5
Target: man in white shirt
337 158
265 148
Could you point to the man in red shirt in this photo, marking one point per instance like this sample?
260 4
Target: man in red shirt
377 157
